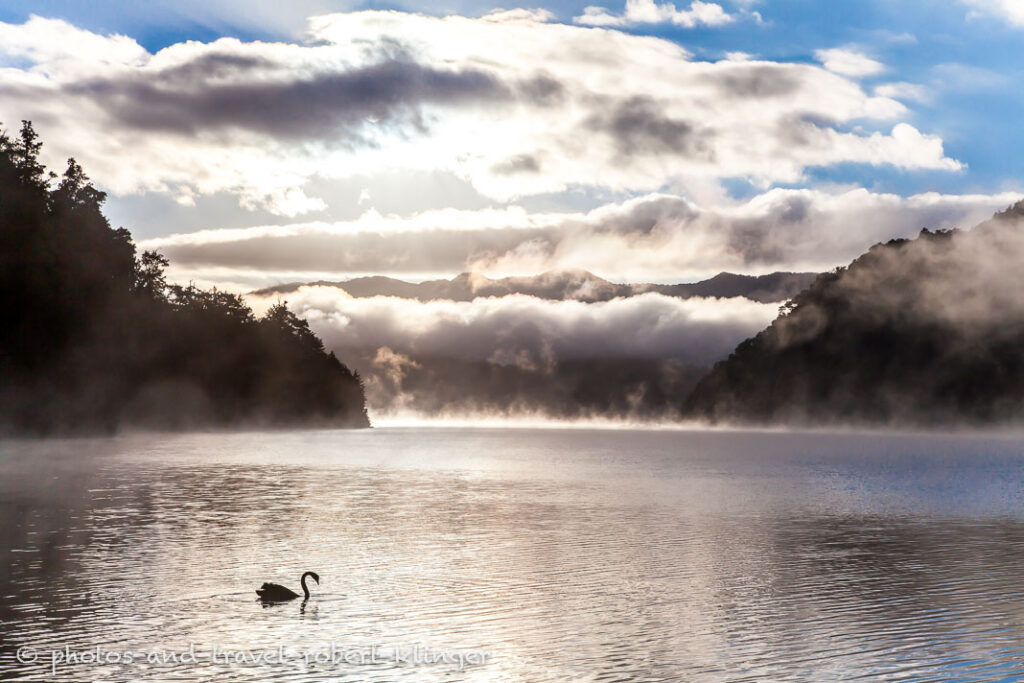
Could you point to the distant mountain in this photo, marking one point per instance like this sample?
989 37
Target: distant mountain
779 286
577 285
928 331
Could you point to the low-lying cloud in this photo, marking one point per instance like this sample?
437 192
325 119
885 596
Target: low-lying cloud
522 355
523 329
656 237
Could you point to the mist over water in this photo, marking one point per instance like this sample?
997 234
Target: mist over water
633 358
563 554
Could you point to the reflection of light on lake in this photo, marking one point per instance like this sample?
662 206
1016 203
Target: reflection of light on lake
583 554
520 421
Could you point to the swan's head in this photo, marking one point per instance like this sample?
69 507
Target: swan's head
316 577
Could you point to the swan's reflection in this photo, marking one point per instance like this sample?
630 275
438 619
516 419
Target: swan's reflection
313 609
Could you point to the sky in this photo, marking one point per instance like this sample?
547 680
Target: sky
254 143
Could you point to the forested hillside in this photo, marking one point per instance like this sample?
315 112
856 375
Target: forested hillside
928 331
94 338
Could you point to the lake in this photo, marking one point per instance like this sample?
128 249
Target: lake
513 555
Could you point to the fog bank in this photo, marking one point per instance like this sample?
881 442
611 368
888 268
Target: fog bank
633 357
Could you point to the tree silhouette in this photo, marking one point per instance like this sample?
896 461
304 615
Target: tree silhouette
95 337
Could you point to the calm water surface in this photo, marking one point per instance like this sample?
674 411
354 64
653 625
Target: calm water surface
555 555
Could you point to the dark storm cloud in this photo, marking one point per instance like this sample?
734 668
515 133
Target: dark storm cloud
638 125
185 100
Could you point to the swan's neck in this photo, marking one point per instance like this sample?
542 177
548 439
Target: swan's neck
305 589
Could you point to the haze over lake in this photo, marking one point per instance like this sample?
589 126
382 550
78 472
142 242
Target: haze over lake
556 554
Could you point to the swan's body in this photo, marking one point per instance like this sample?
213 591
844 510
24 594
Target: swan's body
273 592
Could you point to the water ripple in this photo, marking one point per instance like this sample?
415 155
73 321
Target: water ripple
566 556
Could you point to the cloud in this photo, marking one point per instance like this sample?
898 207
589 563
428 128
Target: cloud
59 49
218 93
966 78
900 38
649 12
638 125
759 81
519 354
848 62
520 15
904 91
655 237
510 103
1010 10
533 330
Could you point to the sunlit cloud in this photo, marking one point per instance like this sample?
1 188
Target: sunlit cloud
511 103
848 62
650 12
1010 10
656 237
904 91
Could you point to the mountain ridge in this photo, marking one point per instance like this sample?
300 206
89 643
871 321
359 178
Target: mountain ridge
924 332
579 285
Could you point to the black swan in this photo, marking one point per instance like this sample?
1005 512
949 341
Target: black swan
274 591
